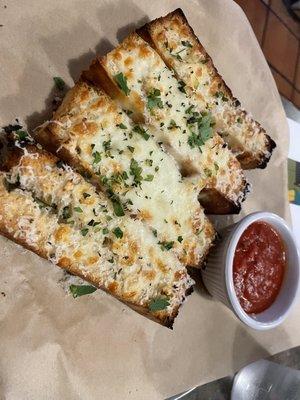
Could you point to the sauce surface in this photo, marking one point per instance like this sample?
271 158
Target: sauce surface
258 267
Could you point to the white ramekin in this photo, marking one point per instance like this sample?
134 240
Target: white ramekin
218 275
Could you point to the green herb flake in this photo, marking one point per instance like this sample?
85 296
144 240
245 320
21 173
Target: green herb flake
180 239
41 203
105 231
136 171
216 167
154 231
22 135
66 212
122 83
154 100
166 245
173 125
78 209
149 162
239 120
189 109
81 290
118 232
118 209
121 126
158 304
186 43
84 231
107 145
201 129
130 148
59 164
149 178
85 195
181 86
138 129
59 82
97 157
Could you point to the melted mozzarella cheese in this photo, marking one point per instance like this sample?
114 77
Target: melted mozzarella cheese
168 114
124 155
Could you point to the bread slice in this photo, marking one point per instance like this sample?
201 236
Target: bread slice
136 76
173 38
91 133
53 211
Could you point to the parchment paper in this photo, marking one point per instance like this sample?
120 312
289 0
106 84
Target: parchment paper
55 347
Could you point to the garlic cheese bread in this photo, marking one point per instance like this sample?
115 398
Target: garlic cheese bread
136 76
53 211
173 38
95 136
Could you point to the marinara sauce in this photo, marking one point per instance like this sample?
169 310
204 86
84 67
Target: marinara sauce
258 267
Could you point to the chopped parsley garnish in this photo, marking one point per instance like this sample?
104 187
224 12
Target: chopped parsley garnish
117 206
154 100
59 82
189 110
59 164
122 83
201 129
130 148
180 239
154 232
136 171
149 178
156 168
81 290
173 125
239 120
78 209
67 212
158 304
118 232
149 162
107 145
166 245
178 56
186 43
181 86
121 126
105 231
22 135
138 129
84 231
97 157
221 95
118 178
41 203
85 195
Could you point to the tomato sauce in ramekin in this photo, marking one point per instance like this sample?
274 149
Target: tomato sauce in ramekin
258 267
